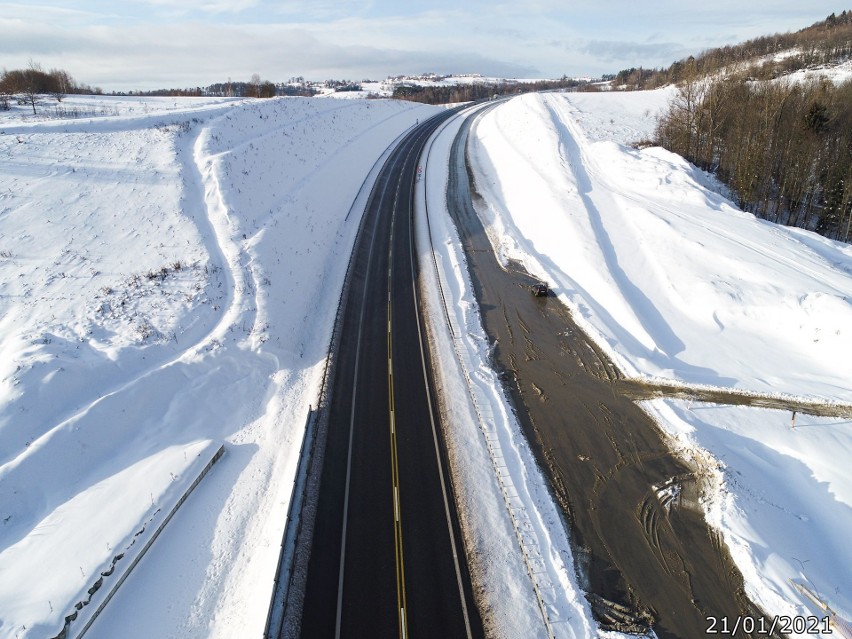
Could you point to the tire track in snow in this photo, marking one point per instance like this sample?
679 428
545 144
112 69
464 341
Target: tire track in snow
88 437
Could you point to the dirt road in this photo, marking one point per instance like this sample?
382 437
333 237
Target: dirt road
647 557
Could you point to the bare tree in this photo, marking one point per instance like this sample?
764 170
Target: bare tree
254 86
6 90
785 150
62 84
30 84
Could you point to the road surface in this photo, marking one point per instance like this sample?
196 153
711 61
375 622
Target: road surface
387 557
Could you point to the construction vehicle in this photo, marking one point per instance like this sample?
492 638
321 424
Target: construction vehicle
539 289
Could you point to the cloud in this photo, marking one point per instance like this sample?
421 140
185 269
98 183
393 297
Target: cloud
46 14
182 55
206 6
146 44
623 52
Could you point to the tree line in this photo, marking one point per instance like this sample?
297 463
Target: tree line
254 88
447 94
785 149
824 42
27 85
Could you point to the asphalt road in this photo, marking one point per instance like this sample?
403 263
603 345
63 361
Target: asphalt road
648 559
387 557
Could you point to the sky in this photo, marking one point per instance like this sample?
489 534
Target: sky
149 44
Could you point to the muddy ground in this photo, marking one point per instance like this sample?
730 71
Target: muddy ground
645 558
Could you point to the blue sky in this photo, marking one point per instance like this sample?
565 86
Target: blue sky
146 44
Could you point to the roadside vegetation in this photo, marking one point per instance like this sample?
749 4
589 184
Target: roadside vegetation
784 149
783 146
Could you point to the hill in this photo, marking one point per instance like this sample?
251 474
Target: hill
823 44
676 283
770 120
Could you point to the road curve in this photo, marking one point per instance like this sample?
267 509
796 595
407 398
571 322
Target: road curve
386 557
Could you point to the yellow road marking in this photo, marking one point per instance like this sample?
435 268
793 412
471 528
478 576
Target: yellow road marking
400 563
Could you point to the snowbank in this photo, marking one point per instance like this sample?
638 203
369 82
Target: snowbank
522 564
677 283
781 496
169 276
667 274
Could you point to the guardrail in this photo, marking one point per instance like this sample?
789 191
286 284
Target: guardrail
293 528
86 612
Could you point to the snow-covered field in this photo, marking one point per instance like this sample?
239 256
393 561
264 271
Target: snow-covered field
676 283
169 276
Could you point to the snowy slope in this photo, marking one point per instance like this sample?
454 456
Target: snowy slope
523 569
170 271
672 278
835 73
677 283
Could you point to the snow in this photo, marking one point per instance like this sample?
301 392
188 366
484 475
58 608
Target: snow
835 73
626 118
385 88
525 571
781 495
169 276
669 276
678 284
